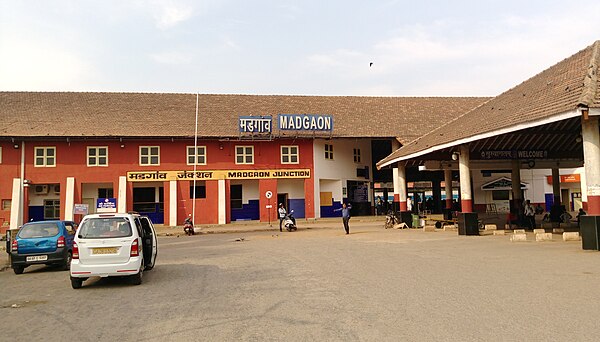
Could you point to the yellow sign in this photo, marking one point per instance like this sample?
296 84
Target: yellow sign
153 176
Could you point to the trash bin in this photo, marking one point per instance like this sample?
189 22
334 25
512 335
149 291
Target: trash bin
415 220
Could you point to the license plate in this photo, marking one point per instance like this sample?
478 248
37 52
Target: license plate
104 250
37 258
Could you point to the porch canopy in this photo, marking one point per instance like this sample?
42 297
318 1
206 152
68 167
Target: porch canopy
537 123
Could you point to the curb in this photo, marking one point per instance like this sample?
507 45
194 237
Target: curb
210 232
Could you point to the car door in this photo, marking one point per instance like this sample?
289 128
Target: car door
150 234
71 227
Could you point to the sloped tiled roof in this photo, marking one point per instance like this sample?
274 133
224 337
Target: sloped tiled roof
72 114
557 90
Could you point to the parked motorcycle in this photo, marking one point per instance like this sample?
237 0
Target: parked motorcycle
188 229
391 219
289 222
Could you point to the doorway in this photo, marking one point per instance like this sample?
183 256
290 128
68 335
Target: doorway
283 198
147 201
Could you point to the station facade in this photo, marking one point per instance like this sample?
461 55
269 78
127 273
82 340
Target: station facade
64 154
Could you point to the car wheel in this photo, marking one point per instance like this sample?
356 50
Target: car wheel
18 269
136 279
67 264
76 283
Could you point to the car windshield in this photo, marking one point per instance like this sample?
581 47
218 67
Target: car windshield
38 230
113 227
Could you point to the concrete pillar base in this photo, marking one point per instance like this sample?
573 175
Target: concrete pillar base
467 224
590 232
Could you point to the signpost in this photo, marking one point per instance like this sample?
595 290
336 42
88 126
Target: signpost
268 195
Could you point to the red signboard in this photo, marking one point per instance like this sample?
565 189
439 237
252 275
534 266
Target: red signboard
574 178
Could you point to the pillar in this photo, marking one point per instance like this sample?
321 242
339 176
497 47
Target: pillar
25 203
267 214
173 201
222 201
122 195
583 185
400 184
448 187
309 196
396 183
591 159
516 182
16 220
464 170
70 199
556 185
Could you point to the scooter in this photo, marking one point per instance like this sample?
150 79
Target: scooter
289 222
188 229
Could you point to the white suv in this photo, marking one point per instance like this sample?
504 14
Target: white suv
113 245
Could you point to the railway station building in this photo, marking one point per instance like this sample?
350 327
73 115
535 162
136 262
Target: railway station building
63 154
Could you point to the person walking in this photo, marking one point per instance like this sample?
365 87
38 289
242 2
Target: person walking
529 214
345 209
282 213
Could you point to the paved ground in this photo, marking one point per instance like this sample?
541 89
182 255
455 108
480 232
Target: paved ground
319 284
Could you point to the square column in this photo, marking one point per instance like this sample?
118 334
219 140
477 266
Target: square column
399 180
122 195
70 199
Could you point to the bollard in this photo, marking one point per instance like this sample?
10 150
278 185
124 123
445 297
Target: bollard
429 228
547 225
519 231
490 227
518 237
558 230
543 237
499 232
539 231
450 227
571 236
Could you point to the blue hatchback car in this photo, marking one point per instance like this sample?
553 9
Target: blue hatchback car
43 242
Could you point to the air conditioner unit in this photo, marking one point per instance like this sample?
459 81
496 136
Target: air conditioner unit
40 189
57 189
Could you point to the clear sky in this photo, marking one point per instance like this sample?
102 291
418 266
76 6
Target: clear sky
313 47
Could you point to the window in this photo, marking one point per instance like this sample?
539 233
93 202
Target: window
200 190
6 204
357 155
105 193
289 155
51 209
329 151
236 196
149 155
45 156
97 156
198 158
244 154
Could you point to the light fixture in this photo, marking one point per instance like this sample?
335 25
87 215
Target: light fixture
16 145
122 145
455 155
422 168
220 146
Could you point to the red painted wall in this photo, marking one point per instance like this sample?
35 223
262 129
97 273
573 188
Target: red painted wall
71 161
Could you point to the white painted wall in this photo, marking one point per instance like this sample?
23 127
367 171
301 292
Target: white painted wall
249 189
293 187
341 168
536 179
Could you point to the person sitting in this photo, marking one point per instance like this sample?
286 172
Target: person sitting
565 217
